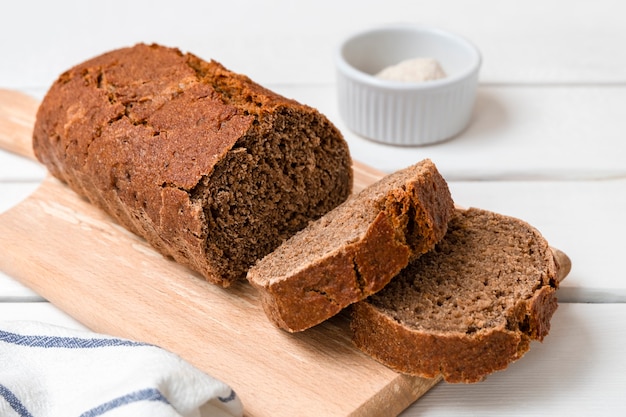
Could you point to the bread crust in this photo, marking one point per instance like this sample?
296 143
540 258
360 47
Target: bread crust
457 356
171 146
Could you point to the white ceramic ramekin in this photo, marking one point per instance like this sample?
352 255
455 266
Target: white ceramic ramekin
404 113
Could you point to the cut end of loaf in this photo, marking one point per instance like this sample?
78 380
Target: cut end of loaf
469 307
286 172
354 250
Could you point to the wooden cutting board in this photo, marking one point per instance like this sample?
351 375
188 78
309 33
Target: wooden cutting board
76 257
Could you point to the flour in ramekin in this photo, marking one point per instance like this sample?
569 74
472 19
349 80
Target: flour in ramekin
413 70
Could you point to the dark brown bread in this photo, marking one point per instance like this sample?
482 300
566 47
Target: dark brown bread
212 169
354 250
469 307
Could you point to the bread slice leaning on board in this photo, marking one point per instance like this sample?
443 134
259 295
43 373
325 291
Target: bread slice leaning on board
355 249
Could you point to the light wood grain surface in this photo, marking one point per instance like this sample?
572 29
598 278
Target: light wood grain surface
547 143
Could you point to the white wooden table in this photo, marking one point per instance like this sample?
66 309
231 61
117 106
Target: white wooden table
547 143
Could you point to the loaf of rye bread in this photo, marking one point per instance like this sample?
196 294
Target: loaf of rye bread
210 168
469 307
355 249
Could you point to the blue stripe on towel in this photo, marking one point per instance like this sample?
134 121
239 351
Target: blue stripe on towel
148 394
230 397
63 342
14 402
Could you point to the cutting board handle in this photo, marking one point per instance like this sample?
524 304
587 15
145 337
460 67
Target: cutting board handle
16 124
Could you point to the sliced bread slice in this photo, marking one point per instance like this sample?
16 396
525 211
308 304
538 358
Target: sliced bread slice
355 249
469 307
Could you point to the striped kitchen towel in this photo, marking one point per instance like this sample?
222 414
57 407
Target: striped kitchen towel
50 371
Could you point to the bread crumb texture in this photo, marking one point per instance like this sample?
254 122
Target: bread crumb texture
467 308
212 169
